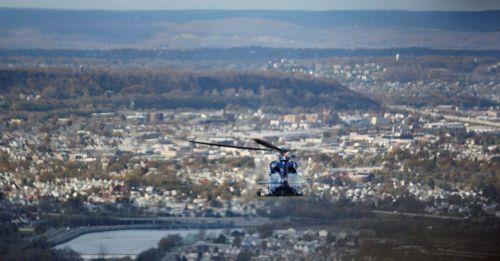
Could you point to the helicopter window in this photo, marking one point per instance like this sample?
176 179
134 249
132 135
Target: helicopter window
275 168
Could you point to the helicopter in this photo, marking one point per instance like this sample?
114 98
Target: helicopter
283 176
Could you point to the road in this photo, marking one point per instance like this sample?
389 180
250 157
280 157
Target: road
417 215
358 169
446 116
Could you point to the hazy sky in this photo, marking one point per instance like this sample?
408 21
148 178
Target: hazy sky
257 4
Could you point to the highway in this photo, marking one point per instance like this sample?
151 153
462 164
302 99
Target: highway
446 116
358 169
415 215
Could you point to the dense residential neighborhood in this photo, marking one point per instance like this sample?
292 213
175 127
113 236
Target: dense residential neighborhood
354 158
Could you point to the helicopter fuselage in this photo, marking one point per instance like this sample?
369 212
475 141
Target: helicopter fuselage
283 178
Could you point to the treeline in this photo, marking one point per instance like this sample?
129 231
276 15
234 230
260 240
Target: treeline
61 88
316 210
15 245
432 235
241 53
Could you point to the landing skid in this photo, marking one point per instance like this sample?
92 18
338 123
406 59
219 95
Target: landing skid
279 193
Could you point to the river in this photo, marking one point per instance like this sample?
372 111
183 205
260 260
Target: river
121 243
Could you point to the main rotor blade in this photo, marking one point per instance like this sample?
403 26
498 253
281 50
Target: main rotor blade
228 146
269 145
279 183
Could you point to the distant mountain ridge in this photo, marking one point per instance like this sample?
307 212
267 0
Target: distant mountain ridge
56 29
486 21
238 53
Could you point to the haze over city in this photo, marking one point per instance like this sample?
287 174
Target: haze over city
316 5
